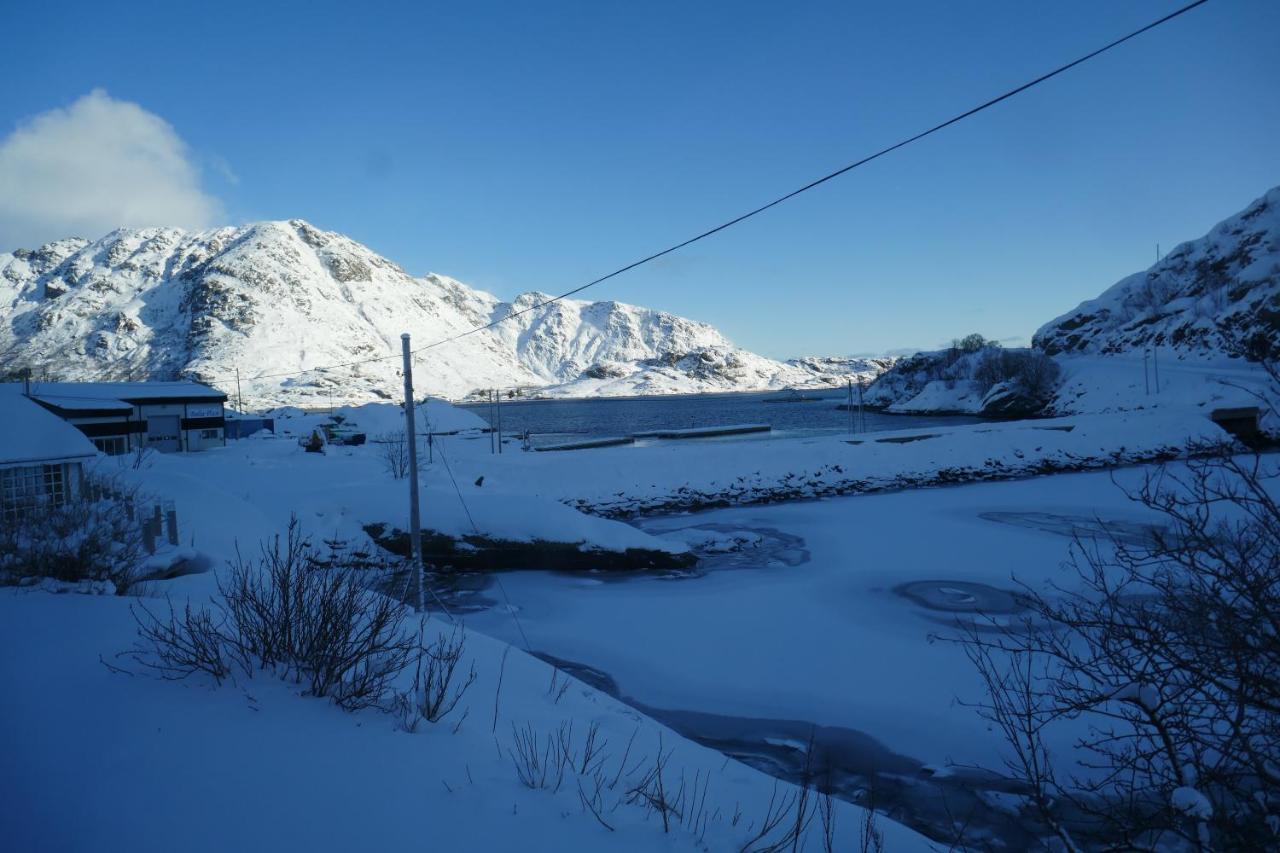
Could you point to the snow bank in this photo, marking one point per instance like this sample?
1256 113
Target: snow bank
160 766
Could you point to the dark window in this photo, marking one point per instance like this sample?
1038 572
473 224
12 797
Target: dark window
112 445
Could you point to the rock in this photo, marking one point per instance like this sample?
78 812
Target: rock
1008 400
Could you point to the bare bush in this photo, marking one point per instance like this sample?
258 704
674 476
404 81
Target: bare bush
651 791
295 616
93 536
393 451
539 766
1033 373
1171 651
182 645
435 693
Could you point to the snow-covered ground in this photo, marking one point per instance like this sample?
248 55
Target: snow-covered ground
96 759
811 631
678 475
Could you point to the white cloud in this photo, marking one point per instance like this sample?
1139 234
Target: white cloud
96 165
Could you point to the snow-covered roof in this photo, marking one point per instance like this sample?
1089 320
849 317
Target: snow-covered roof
29 435
85 403
128 391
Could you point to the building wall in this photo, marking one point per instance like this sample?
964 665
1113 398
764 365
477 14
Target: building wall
200 426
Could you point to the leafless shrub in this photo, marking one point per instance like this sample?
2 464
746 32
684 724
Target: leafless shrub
651 790
434 693
592 751
870 838
780 813
622 765
1171 650
283 613
393 452
182 645
537 767
497 693
594 802
560 684
1033 373
827 815
93 536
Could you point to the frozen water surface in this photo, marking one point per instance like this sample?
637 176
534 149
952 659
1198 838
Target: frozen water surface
821 618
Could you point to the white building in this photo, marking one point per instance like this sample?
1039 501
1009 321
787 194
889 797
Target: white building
41 457
121 416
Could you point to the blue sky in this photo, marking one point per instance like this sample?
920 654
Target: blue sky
523 146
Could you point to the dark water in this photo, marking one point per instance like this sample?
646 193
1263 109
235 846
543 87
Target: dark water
555 420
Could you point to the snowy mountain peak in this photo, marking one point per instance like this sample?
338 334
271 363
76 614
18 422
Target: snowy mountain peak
279 297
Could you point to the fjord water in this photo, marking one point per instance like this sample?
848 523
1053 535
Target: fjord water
549 421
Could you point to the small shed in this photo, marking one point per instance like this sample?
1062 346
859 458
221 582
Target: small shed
41 458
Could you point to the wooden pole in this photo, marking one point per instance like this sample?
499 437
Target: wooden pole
411 434
849 403
862 412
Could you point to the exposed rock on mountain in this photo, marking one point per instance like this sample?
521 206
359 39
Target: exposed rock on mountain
1205 297
274 298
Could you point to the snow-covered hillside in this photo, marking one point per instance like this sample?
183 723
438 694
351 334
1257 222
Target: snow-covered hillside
1197 301
1188 318
278 297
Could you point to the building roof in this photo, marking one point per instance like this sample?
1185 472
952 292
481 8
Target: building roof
84 405
30 435
62 393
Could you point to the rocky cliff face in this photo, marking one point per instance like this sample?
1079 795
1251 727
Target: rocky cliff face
279 300
1206 297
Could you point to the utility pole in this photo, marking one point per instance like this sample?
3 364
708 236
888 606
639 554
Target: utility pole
498 396
411 433
849 396
862 415
492 418
1146 376
239 399
1155 365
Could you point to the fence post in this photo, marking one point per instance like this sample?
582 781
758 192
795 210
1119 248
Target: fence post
172 519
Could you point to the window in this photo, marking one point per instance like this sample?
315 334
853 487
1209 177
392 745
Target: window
209 434
114 445
23 489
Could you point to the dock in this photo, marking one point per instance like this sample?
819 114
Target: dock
586 443
704 432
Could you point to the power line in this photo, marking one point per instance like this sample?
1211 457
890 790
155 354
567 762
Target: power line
812 184
780 199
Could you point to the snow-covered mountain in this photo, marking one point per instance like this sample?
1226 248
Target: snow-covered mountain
273 298
1204 304
1206 297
